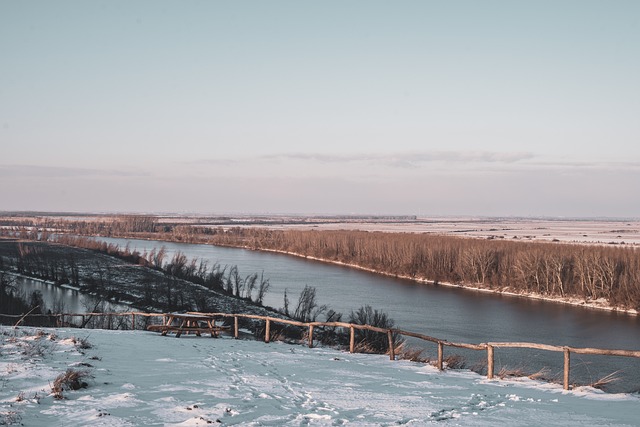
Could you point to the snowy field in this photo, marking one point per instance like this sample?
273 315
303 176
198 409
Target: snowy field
142 378
583 231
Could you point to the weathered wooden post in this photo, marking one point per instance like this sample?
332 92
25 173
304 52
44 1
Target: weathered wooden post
133 321
567 367
440 355
236 331
310 336
352 339
392 350
267 330
490 362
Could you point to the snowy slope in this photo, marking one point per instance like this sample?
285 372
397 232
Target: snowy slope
142 378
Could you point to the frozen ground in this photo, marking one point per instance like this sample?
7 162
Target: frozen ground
142 378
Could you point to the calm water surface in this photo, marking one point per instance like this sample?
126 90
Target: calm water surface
59 299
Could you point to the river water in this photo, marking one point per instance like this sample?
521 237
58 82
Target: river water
446 313
62 300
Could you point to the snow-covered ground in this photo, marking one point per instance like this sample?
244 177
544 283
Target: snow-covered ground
142 378
583 231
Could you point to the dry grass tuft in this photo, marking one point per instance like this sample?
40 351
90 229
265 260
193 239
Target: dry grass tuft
454 361
412 354
607 379
542 375
72 379
365 347
81 343
510 373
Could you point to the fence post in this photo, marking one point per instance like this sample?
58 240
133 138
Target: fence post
352 339
392 350
310 336
567 367
235 327
133 321
267 331
490 362
440 356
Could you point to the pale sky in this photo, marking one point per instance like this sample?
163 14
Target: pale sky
333 107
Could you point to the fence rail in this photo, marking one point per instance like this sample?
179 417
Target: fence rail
441 343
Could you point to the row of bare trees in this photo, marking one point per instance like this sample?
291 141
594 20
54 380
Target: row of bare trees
62 268
554 269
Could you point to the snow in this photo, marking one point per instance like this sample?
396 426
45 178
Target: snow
143 378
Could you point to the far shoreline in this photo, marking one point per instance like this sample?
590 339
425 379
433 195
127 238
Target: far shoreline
600 304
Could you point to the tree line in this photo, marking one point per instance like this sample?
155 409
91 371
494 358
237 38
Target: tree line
545 268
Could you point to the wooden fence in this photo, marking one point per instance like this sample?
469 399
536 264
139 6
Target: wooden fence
441 343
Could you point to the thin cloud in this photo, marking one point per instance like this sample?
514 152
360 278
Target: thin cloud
206 162
418 159
34 171
407 159
608 165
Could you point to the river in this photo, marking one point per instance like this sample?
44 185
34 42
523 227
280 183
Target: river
61 299
446 313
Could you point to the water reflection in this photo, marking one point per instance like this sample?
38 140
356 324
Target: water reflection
59 299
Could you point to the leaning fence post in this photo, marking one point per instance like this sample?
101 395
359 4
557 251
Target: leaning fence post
567 367
235 327
352 339
490 362
310 336
267 330
440 355
392 350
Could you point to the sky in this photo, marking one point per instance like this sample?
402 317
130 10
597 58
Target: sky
494 108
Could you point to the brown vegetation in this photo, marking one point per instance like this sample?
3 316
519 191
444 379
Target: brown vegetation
589 272
72 379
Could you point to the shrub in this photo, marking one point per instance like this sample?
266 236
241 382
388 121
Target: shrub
307 308
372 341
454 361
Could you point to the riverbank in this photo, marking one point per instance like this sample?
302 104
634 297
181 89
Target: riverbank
113 280
599 304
